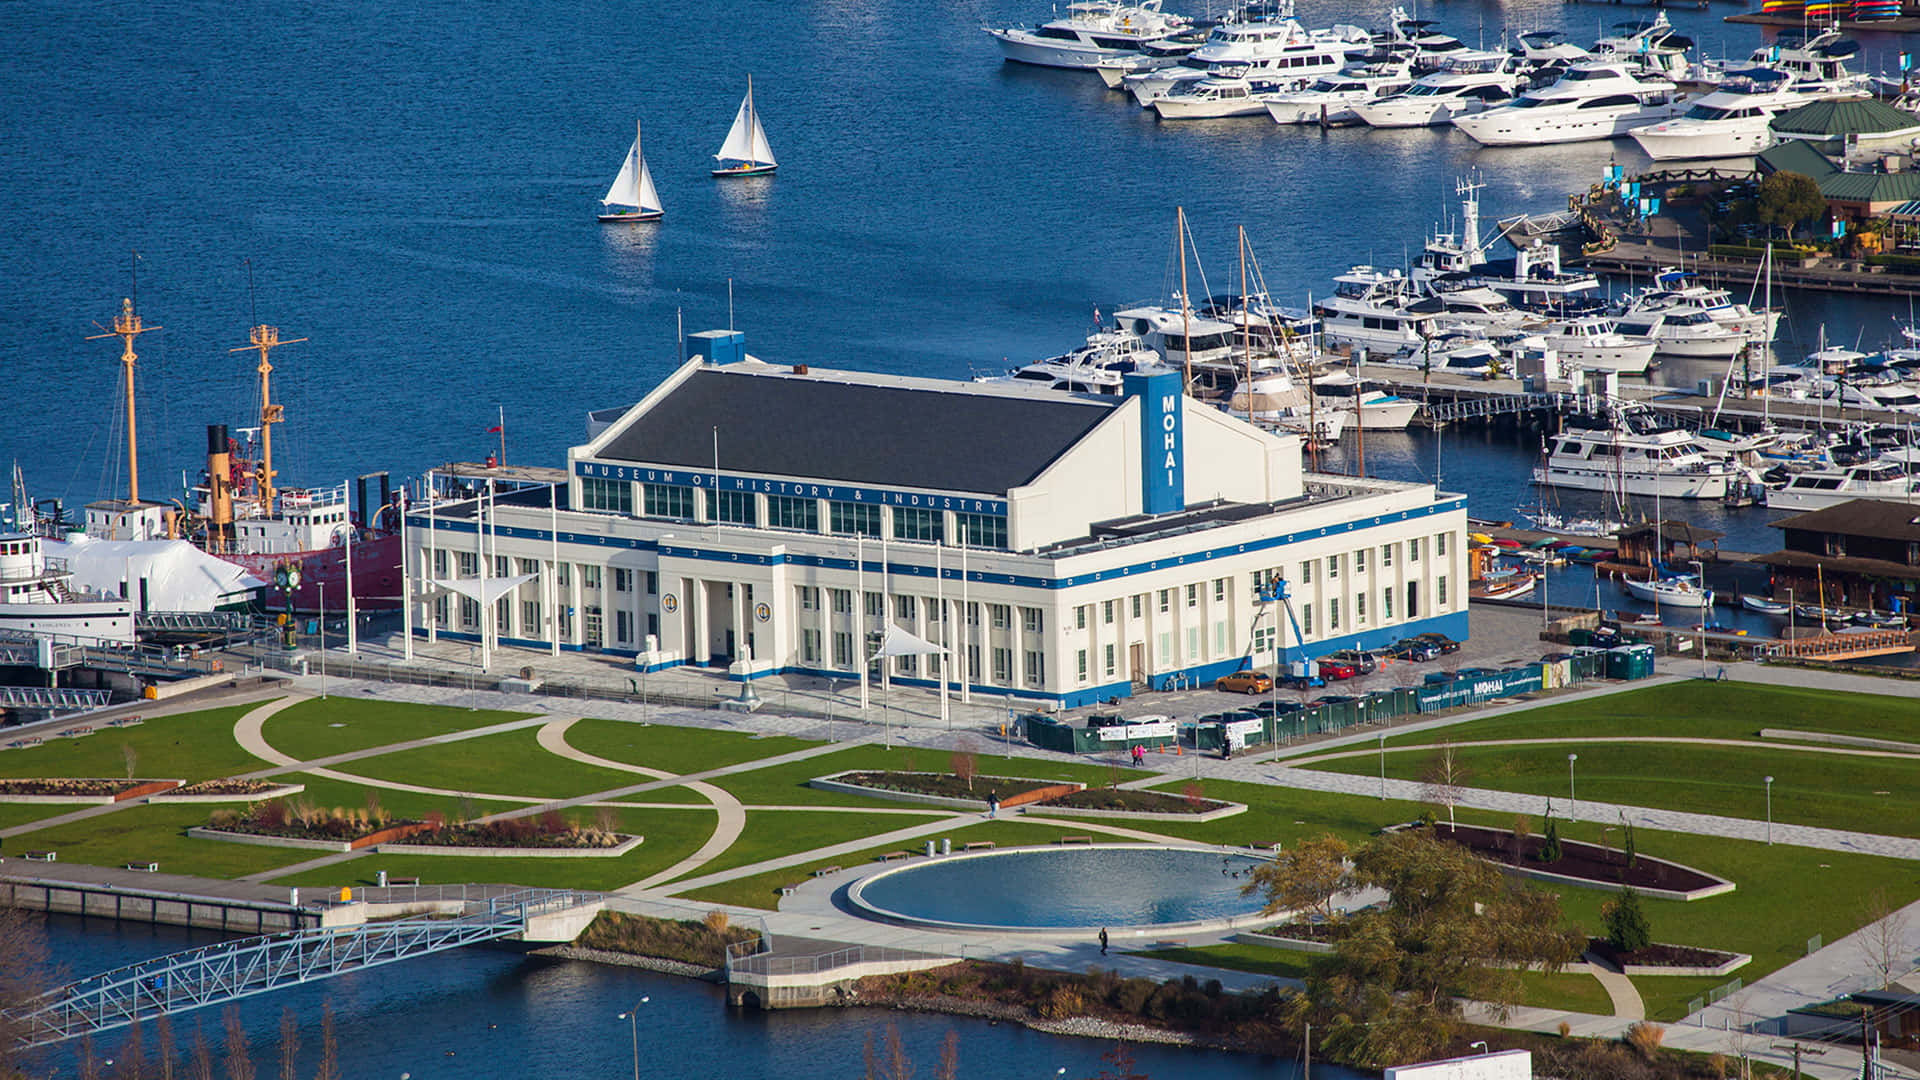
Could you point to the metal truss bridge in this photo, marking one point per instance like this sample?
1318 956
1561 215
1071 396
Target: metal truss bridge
217 974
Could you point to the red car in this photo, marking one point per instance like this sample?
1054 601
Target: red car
1337 669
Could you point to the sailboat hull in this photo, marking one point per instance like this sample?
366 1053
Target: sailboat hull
638 216
745 170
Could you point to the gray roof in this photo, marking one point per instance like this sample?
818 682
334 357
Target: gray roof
820 427
1859 517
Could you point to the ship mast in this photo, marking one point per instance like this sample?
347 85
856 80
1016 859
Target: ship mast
126 327
264 338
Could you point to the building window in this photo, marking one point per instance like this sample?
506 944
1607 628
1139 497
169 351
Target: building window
1193 596
1193 643
653 583
502 566
613 496
1219 588
1002 665
809 598
1166 657
1306 572
1166 601
842 601
589 576
908 665
469 563
853 518
809 646
1440 545
1440 591
973 663
973 614
1036 668
912 524
1080 617
529 566
1360 609
1333 567
564 574
787 512
932 606
982 530
1263 639
440 610
668 501
733 508
1000 613
1360 561
591 637
1413 550
876 605
653 625
842 649
1080 664
903 608
1106 612
1386 606
1139 601
1220 644
1030 620
623 626
622 580
1333 615
529 617
1386 555
1306 620
1110 658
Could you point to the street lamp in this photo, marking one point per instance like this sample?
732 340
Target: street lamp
1481 1043
1383 766
832 691
1573 807
633 1015
1769 809
1700 573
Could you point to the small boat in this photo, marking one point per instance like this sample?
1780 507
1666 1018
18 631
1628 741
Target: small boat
633 187
1510 545
1480 538
1677 591
1503 587
1879 619
1765 606
746 153
1815 613
1718 628
1542 543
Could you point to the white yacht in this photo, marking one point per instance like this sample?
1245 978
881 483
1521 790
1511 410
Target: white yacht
37 596
1181 337
1456 352
1866 394
1729 122
1329 100
1595 99
1091 31
1631 453
1817 489
1534 279
1375 409
1691 334
1153 55
1426 48
1098 367
1652 46
1674 295
1596 344
1467 301
1265 55
1543 49
1468 82
1816 66
1276 398
1376 310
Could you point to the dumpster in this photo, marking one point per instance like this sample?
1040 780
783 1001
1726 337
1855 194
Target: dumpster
1630 662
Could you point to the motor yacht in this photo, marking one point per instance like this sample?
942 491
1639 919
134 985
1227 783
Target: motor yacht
1089 32
1153 55
1269 53
1330 99
1468 82
1375 409
1817 489
1653 46
1097 367
1816 66
1426 48
1866 394
1596 344
1691 334
1182 336
1595 99
1376 311
1277 398
1729 122
1467 301
1674 292
1630 452
1534 279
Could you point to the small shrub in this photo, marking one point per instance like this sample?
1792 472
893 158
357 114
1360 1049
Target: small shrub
1550 843
552 823
718 922
1132 996
271 814
224 819
1063 1002
1645 1038
606 819
1626 922
1194 794
1566 1029
1717 1063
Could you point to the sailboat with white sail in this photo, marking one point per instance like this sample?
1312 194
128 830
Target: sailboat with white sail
633 187
746 153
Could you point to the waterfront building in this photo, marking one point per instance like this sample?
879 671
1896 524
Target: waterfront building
1861 553
1065 548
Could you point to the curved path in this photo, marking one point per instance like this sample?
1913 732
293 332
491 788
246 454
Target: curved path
1620 989
1595 740
733 816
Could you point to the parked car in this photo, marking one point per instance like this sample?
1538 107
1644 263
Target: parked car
1244 682
1333 699
1273 710
1363 661
1336 669
1418 649
1446 644
1301 682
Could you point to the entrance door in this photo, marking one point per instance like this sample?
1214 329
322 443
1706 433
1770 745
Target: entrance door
1137 663
1413 599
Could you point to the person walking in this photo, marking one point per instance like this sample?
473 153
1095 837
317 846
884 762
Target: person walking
993 804
1103 941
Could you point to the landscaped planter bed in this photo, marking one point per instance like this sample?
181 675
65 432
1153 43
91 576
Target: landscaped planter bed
308 839
1585 864
423 847
1661 959
90 791
1135 804
944 789
214 791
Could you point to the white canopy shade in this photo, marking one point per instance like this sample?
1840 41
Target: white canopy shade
898 642
484 590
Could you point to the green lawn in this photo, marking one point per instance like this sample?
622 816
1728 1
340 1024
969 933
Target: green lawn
184 746
763 890
771 834
322 791
1697 708
157 834
509 763
1871 795
785 785
1282 815
1569 991
671 835
16 814
337 725
676 749
1257 959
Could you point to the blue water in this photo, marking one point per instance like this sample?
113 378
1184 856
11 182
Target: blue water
505 1016
1068 888
415 192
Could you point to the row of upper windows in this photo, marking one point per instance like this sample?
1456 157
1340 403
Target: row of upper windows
1032 619
678 502
1332 564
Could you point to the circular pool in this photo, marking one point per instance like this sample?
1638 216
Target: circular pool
1062 888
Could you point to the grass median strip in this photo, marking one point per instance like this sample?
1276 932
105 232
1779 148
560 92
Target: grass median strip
183 746
676 749
771 834
321 727
509 763
785 785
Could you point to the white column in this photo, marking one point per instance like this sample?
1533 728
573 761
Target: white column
573 605
966 632
697 596
946 634
426 569
406 585
551 589
353 630
860 613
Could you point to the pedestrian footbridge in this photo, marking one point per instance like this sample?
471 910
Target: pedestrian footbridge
217 974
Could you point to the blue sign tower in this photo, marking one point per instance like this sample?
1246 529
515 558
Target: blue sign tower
1162 439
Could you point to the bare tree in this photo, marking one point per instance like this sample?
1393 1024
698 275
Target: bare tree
1883 939
966 765
289 1045
89 1063
1444 778
163 1045
949 1067
25 973
889 1061
239 1061
132 1062
329 1047
202 1053
132 758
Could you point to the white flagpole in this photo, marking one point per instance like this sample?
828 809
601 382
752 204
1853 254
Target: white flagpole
406 583
940 601
480 548
966 634
553 574
353 629
426 564
886 613
860 613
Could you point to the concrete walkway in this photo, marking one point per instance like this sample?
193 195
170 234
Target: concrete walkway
1620 989
1601 740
